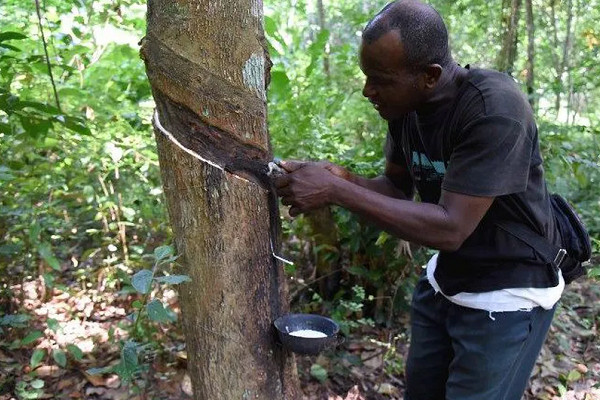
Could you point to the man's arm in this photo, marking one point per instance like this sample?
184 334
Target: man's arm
395 182
443 226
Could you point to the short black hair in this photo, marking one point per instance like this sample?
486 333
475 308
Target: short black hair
420 28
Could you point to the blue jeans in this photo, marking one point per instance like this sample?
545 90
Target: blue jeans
459 353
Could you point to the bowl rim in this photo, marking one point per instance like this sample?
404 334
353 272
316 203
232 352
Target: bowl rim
277 321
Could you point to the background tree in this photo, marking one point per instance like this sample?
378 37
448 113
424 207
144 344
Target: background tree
510 39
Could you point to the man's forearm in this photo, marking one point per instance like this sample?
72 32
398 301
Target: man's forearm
423 223
380 184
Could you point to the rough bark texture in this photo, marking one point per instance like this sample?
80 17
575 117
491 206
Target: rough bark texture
508 53
208 68
561 64
324 233
530 54
322 27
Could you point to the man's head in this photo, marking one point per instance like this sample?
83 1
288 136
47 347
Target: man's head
404 49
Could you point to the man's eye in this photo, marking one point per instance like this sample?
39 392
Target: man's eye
380 81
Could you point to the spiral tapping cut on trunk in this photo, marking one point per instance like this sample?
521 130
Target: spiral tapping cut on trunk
273 169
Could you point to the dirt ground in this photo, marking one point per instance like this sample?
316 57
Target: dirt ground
369 365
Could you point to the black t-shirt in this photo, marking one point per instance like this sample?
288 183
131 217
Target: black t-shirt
484 143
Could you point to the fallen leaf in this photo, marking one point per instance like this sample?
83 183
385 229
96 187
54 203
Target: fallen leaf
96 380
5 359
44 371
550 390
354 394
387 389
64 383
582 368
95 390
186 385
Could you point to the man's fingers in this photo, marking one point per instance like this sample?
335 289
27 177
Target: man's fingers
284 192
291 165
281 181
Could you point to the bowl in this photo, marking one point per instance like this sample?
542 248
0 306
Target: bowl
290 323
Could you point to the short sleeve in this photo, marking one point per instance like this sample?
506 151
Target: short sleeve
491 157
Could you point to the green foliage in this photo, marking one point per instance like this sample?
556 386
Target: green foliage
147 312
318 372
81 193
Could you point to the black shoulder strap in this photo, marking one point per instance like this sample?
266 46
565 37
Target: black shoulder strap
549 252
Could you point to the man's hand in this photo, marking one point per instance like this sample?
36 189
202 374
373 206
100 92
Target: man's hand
339 171
307 185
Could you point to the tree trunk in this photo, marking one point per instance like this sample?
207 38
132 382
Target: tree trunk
530 54
322 27
508 53
208 68
561 62
324 235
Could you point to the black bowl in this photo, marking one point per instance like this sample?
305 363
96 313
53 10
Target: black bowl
302 345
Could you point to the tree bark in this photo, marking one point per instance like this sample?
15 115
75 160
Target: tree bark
208 67
561 62
530 54
324 234
322 27
506 58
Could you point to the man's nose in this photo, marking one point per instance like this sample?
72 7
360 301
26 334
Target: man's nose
368 90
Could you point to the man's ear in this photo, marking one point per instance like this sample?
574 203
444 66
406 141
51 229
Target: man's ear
431 76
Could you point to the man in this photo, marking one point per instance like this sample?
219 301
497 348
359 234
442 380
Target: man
467 141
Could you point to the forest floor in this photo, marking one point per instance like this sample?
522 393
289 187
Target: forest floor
369 365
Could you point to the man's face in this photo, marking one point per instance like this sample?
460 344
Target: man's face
390 86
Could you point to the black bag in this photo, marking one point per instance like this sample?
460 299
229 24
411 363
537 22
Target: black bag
576 248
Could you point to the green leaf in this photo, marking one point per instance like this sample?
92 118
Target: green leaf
157 312
60 357
53 325
358 270
129 363
37 384
10 47
74 124
34 126
16 320
43 107
562 390
383 237
34 232
99 371
75 352
163 252
36 357
45 251
31 337
173 279
574 375
49 279
318 372
137 304
317 48
5 128
11 36
142 281
280 85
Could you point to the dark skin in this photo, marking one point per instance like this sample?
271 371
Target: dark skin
394 89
